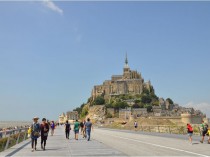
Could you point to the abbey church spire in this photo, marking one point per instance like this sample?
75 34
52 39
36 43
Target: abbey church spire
126 69
126 61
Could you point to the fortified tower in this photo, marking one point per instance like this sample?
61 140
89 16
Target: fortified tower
131 82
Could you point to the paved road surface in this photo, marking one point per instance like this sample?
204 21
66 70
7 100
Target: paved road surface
144 144
58 145
106 142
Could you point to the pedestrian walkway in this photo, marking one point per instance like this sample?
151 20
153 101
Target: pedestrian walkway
58 145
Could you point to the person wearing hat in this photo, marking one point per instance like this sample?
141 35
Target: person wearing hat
35 133
44 132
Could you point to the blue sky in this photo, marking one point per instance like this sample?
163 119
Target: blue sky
52 53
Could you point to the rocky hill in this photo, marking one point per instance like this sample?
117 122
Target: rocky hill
96 113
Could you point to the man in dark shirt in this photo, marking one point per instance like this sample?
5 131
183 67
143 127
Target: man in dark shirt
88 127
67 129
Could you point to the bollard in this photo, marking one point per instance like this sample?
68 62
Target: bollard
158 129
149 129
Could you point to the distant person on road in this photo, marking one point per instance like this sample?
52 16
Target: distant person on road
84 130
44 133
203 129
135 125
35 133
76 129
67 129
81 127
52 125
190 132
88 128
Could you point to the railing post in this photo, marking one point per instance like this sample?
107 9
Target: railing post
7 144
25 135
18 138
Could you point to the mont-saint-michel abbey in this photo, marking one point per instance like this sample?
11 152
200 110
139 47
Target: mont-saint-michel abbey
130 82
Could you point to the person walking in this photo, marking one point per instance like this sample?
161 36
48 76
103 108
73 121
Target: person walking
190 132
44 133
84 130
135 125
52 125
67 129
81 127
76 129
203 129
35 133
88 128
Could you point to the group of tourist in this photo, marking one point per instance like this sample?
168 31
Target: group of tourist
84 127
36 130
204 129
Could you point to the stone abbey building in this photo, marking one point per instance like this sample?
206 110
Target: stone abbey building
131 82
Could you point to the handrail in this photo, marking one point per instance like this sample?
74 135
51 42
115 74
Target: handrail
9 138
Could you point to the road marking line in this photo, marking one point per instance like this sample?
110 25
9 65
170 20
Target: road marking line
158 145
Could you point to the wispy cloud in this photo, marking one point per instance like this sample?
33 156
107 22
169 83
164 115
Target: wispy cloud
204 107
51 5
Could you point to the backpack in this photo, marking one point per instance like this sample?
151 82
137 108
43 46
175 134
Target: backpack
205 127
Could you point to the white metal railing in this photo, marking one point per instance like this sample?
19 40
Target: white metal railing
9 138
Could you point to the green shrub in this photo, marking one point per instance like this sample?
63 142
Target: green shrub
99 100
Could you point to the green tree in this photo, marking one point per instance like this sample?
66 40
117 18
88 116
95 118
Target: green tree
84 111
108 106
145 91
146 99
141 105
118 105
170 101
137 101
149 107
99 100
155 103
136 105
78 109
